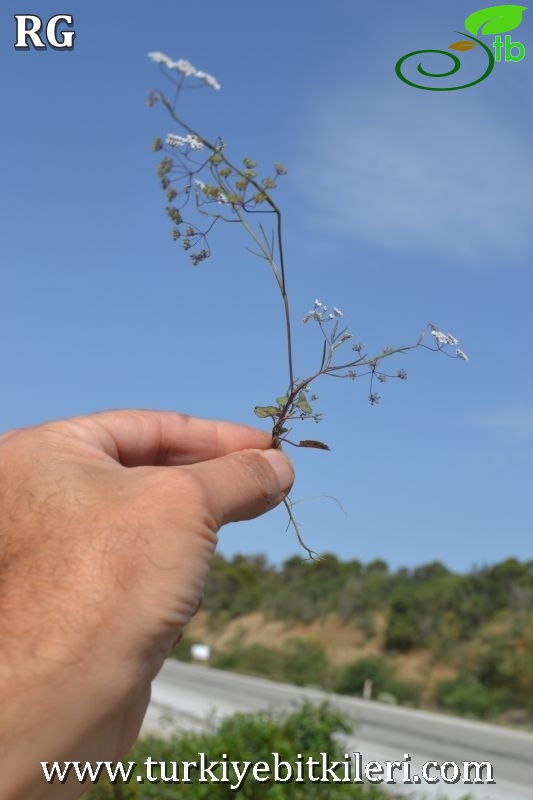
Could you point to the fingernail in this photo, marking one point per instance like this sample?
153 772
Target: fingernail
282 466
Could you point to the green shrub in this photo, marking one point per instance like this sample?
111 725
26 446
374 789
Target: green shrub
353 676
466 695
402 632
245 737
379 670
305 663
407 693
300 661
255 659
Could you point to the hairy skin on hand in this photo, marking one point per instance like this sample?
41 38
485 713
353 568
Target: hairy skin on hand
108 524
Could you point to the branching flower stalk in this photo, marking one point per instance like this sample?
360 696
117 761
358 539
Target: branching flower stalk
199 179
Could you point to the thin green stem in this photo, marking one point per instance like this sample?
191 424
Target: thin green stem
375 359
267 255
275 209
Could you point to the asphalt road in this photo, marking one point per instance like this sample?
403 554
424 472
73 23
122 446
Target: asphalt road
185 694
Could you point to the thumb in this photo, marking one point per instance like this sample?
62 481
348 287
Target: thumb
244 484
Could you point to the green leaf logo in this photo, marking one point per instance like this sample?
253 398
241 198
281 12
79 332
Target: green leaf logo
495 19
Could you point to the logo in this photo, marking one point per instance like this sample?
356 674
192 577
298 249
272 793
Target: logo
30 29
491 21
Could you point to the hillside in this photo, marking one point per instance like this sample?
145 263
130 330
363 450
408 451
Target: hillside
425 637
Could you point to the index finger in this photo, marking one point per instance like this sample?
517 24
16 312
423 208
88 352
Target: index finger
165 438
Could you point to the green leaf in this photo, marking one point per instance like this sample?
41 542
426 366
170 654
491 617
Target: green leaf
282 401
266 411
303 405
494 19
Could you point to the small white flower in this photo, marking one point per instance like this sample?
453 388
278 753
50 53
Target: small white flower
331 316
444 338
439 336
318 304
208 79
222 198
194 142
460 354
186 67
199 183
173 140
161 58
337 312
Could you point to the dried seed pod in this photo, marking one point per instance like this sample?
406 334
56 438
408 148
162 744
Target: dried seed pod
313 443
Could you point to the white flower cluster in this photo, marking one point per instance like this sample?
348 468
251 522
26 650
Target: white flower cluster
448 339
173 140
320 313
444 338
186 68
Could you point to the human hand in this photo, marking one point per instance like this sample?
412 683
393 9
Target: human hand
107 528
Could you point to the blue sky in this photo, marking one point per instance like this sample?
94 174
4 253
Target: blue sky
401 207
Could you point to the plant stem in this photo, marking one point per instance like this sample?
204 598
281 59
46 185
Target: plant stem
280 276
292 521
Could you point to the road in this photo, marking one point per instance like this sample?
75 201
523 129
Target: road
185 694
